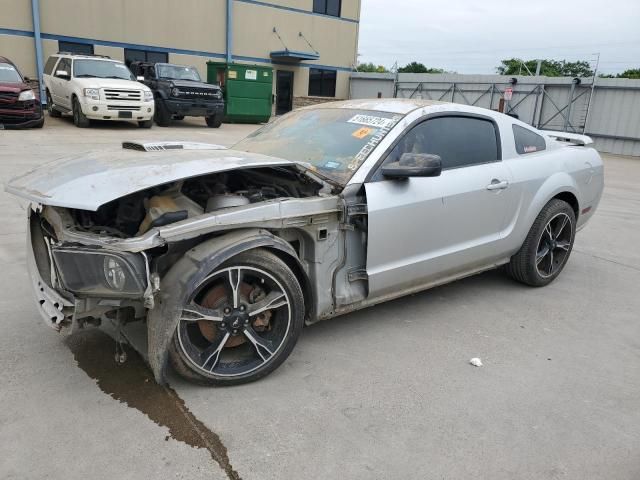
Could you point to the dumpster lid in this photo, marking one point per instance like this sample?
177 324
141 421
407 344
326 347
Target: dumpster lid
293 55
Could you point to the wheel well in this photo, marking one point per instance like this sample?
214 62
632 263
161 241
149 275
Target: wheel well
571 199
305 284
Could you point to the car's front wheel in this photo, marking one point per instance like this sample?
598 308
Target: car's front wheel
239 323
547 247
162 116
145 123
214 121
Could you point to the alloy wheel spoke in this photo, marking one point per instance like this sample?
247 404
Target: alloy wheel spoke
565 219
235 278
272 301
262 346
195 313
212 353
550 261
549 231
563 246
540 256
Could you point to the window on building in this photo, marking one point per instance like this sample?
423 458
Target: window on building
527 141
322 83
327 7
73 47
459 141
131 55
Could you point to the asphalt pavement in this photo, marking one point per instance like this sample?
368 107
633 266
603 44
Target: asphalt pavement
384 393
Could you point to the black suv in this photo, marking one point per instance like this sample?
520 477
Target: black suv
179 92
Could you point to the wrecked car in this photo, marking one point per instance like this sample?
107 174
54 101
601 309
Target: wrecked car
222 256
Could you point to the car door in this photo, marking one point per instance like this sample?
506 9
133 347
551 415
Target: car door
424 229
60 93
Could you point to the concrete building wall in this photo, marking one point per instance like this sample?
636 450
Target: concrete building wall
191 32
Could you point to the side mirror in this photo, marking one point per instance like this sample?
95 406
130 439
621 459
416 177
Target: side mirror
414 165
140 78
26 79
63 74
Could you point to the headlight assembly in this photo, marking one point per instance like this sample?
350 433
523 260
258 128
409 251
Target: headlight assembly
92 93
148 96
26 95
175 92
101 273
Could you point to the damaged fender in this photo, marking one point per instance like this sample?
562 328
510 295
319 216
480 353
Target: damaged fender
183 278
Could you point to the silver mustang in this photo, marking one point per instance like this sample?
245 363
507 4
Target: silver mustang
223 255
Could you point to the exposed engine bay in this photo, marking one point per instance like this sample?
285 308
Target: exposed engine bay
137 213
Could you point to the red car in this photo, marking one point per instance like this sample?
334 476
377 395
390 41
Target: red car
20 106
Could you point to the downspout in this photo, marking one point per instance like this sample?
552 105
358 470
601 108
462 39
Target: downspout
229 30
35 14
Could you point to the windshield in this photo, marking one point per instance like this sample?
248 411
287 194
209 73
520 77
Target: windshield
335 141
9 74
101 69
177 72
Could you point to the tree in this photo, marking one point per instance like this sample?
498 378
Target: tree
415 67
370 67
631 73
549 68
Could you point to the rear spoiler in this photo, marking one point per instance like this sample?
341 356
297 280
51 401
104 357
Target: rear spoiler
572 138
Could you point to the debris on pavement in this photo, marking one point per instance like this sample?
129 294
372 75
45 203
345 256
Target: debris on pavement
476 362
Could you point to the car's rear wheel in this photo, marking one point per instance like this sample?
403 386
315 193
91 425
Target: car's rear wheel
214 121
79 119
50 107
239 323
162 116
547 247
178 117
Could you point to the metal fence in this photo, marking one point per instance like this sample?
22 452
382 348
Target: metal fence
607 110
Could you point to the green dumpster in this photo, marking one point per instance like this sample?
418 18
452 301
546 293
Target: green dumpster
247 90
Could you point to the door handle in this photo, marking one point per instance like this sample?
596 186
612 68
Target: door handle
497 184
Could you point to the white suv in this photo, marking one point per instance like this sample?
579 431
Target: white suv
94 87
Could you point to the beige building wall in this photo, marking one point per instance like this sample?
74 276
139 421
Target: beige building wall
15 14
186 24
21 50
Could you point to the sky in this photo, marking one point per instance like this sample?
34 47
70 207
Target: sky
472 36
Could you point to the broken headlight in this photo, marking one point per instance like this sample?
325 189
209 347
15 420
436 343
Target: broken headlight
100 273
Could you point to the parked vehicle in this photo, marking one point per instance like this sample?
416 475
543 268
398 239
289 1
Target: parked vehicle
329 209
179 92
20 106
95 87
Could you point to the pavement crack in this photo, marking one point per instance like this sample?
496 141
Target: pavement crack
134 385
607 259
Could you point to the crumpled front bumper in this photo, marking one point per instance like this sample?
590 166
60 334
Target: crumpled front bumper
56 311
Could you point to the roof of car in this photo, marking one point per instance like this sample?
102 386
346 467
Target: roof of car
6 60
391 105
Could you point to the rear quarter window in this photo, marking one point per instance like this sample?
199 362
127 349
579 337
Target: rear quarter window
528 141
51 63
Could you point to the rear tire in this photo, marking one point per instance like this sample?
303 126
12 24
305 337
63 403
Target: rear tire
79 119
178 117
53 113
162 115
237 343
547 247
214 121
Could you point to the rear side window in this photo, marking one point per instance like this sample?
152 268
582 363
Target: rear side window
48 68
528 141
459 141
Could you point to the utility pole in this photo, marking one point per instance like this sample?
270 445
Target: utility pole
538 67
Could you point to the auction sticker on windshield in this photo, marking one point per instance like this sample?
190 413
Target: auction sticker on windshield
370 121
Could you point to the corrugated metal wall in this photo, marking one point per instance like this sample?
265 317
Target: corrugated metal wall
609 112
